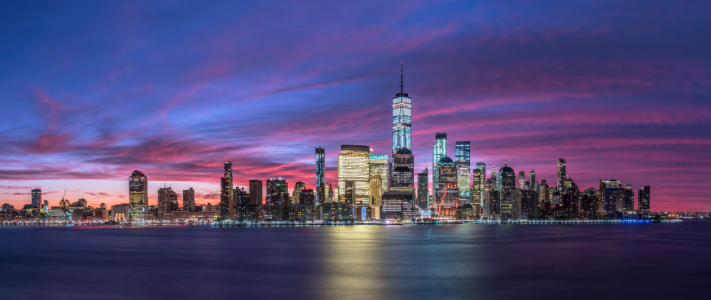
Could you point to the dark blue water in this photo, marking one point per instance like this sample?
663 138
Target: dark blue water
629 261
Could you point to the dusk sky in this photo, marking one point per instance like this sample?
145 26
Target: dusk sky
92 90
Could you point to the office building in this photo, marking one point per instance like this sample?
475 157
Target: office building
320 174
521 180
167 202
462 160
379 165
298 187
561 175
276 187
643 196
255 192
354 166
423 191
447 192
439 150
506 178
402 119
403 175
227 203
137 196
189 200
36 198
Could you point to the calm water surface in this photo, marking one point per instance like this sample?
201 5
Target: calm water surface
629 261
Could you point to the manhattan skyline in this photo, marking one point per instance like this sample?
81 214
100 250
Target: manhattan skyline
621 95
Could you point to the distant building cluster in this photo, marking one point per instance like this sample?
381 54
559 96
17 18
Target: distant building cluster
374 187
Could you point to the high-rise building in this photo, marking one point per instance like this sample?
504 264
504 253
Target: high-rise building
476 187
643 196
298 187
137 196
481 166
189 199
255 192
376 192
227 204
506 178
610 195
167 202
403 175
320 174
276 187
521 179
423 192
402 119
354 165
439 150
561 175
379 165
628 198
532 178
447 191
36 198
463 161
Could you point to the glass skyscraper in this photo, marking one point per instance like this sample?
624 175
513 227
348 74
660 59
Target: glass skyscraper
137 195
423 191
447 192
439 150
227 205
320 175
561 175
379 166
37 198
481 166
402 119
462 160
354 167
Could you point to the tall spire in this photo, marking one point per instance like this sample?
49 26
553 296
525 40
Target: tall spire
401 89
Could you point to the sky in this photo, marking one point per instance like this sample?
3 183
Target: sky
92 90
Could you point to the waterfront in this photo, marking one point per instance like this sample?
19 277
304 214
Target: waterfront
473 261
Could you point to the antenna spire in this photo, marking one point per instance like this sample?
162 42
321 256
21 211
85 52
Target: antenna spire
401 88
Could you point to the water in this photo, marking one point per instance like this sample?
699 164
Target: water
467 261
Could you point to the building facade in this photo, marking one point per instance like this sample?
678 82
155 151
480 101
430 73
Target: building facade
137 196
354 166
402 119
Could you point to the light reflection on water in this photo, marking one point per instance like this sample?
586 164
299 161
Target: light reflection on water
357 262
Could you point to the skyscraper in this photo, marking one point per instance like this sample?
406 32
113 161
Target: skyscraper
481 166
643 196
402 119
255 192
506 179
379 166
137 195
462 160
298 187
227 204
423 191
167 202
476 187
439 150
403 175
276 187
561 175
532 178
447 192
189 200
37 198
376 192
521 179
320 174
354 165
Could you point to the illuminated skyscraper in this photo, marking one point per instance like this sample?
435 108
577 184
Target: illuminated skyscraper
628 198
506 178
402 119
189 200
37 198
354 165
439 150
476 187
167 202
561 175
227 204
462 160
521 179
376 192
403 175
423 191
320 175
481 166
447 192
379 166
276 187
137 195
298 187
643 196
532 178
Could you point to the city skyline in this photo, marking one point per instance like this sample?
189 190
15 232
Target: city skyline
86 124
